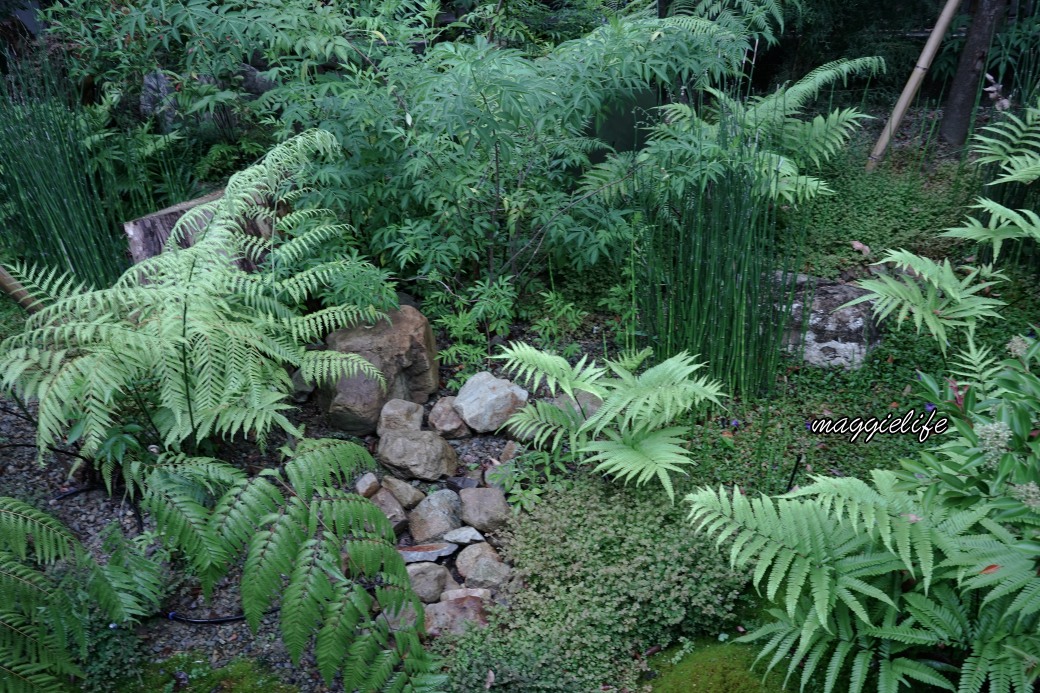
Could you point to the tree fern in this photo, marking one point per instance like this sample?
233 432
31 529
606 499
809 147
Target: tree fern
200 348
631 435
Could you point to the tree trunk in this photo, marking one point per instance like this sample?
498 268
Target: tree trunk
961 102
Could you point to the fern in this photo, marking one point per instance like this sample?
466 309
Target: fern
43 620
198 350
630 436
325 556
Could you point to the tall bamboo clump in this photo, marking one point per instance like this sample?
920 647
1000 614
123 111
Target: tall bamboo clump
713 277
50 205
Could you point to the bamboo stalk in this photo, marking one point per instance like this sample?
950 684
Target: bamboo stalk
13 288
914 83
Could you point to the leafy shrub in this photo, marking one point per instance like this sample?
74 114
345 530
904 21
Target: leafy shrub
606 573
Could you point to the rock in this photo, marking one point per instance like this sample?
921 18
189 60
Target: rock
427 552
404 618
484 508
399 415
464 535
834 337
157 99
585 406
435 516
454 616
479 593
417 454
485 402
302 390
427 580
255 82
403 349
457 483
385 501
446 421
488 574
470 556
367 485
509 452
405 493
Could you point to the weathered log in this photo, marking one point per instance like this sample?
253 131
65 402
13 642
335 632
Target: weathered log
149 235
13 288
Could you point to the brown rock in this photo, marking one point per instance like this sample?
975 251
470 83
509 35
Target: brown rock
367 485
400 415
408 495
385 501
403 349
485 402
487 573
417 455
484 508
473 554
427 580
454 616
446 421
435 516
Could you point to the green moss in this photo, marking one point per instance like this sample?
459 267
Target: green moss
712 668
239 676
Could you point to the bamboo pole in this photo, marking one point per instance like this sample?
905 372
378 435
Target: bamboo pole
15 290
914 83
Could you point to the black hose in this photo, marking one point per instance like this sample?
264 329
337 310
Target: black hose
174 616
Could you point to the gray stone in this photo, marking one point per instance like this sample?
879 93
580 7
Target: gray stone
435 516
405 493
446 421
464 535
454 616
585 405
302 389
385 501
486 402
255 82
834 336
406 617
367 485
157 99
404 351
484 508
426 552
488 574
457 483
417 455
470 556
399 415
479 593
427 580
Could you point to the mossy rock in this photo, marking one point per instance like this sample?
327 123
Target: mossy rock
713 667
192 673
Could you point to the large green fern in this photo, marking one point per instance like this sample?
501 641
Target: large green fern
632 433
186 342
876 582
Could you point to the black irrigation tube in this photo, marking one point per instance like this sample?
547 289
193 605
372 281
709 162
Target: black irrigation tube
174 616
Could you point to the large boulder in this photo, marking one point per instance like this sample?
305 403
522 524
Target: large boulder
466 562
834 336
435 516
417 455
486 402
404 351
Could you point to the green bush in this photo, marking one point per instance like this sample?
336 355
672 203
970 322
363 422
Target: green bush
606 573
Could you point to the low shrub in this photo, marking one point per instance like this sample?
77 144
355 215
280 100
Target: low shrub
605 573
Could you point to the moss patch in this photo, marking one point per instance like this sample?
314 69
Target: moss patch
191 673
712 668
